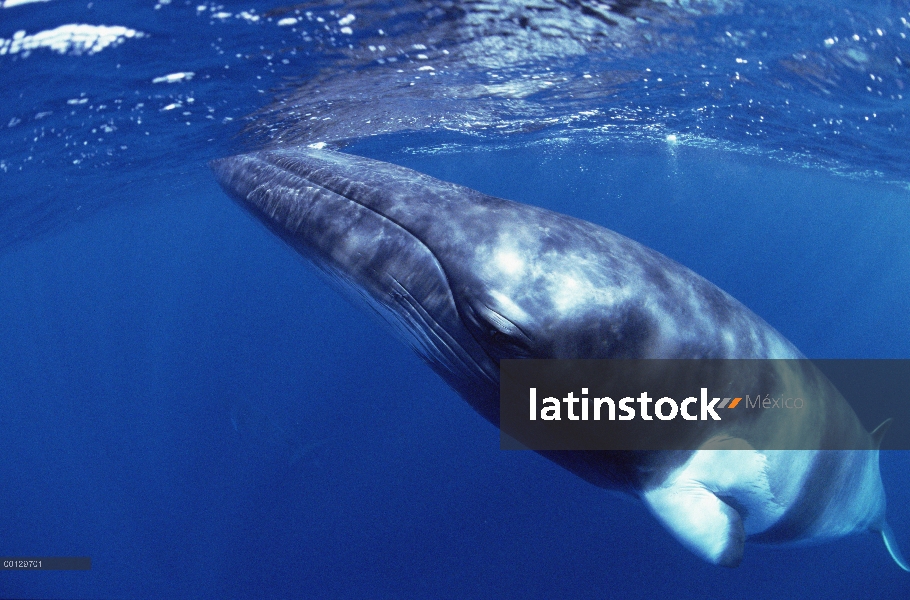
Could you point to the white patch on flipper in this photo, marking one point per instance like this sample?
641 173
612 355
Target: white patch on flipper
700 521
690 502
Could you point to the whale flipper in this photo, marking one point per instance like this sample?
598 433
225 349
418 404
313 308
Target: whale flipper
721 494
893 549
699 519
878 433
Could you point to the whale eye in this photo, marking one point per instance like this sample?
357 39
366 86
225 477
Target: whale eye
501 333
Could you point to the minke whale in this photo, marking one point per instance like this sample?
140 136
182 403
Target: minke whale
469 279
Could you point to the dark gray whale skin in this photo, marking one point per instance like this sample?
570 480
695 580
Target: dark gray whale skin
469 279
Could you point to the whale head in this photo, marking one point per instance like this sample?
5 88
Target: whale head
470 279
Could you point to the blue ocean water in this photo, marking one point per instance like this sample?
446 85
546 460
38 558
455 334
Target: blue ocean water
188 403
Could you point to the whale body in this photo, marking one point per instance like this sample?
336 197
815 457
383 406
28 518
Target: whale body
469 279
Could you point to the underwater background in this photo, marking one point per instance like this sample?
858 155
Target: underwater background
187 402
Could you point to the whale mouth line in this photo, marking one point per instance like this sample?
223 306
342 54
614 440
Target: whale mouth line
440 338
401 309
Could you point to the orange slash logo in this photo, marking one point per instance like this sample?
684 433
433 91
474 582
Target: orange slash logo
727 401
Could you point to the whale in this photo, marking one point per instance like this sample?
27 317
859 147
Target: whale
468 280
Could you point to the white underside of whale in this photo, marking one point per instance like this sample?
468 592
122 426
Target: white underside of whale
728 491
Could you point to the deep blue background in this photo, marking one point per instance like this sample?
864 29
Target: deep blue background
131 339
